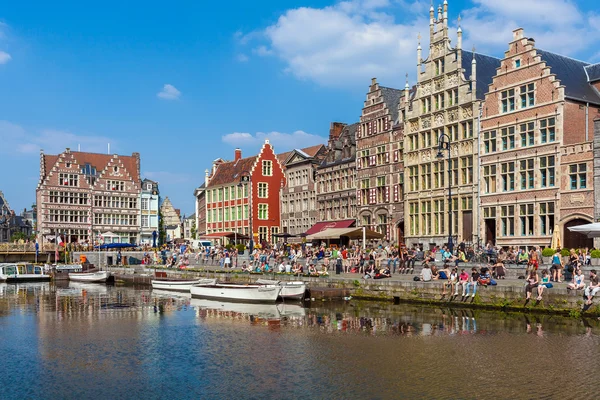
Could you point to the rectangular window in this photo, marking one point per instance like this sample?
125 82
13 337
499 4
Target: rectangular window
517 63
263 211
115 185
263 233
426 176
438 216
489 177
577 176
507 220
547 171
426 217
526 131
527 174
546 218
263 190
526 219
508 100
508 176
547 130
438 174
527 95
145 222
466 170
144 204
68 180
454 172
508 138
467 129
489 141
267 168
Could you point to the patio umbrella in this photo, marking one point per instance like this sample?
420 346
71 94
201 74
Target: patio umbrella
556 243
591 230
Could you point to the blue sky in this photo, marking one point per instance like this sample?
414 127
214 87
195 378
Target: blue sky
186 82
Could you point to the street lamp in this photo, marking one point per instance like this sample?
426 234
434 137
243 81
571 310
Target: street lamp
444 145
245 181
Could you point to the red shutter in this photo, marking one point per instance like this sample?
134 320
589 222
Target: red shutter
395 193
387 194
387 157
395 155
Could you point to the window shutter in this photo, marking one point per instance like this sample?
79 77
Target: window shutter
395 193
395 155
387 157
387 194
358 197
359 163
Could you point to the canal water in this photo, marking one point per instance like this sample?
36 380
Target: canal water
80 341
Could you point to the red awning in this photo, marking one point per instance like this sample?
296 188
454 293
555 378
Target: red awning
321 226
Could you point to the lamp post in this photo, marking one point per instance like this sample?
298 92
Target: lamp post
245 181
444 145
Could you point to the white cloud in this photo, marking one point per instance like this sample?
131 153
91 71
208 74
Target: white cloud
16 139
169 92
4 57
242 58
280 141
349 42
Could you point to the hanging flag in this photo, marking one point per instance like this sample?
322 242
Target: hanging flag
37 249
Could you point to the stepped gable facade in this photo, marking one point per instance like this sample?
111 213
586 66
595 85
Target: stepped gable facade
537 133
81 195
336 176
299 197
451 83
379 162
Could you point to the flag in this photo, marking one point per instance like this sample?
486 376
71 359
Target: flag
37 249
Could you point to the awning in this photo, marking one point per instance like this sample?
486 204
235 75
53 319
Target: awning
591 230
321 226
351 233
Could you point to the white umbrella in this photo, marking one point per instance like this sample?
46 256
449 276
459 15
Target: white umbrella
591 230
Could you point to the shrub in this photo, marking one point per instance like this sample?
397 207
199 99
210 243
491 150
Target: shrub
548 252
240 248
595 254
565 252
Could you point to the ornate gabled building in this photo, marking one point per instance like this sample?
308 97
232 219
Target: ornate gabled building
451 83
82 195
299 197
172 222
10 223
379 162
536 147
336 178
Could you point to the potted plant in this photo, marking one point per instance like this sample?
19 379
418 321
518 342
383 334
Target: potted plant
595 257
547 254
565 253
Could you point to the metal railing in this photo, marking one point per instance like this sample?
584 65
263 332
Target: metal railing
25 247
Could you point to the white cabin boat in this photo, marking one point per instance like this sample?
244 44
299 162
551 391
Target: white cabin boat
22 273
211 289
177 285
90 277
289 290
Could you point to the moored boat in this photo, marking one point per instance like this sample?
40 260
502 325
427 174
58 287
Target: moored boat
289 290
96 277
178 285
11 272
211 289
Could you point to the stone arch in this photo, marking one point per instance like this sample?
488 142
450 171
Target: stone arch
574 239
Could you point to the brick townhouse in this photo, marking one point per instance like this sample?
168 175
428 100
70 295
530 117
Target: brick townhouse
80 195
537 147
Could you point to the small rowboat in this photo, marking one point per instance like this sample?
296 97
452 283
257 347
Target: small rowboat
289 290
96 277
178 285
211 289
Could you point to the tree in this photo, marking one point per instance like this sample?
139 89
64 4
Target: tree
162 234
18 236
194 231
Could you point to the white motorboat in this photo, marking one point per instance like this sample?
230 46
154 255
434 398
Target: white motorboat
22 273
211 289
289 290
95 277
178 285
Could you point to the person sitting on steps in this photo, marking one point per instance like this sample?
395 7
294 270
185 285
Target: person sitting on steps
593 288
578 281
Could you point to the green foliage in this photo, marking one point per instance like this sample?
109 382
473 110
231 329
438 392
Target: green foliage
193 230
595 254
356 283
228 246
240 248
18 236
162 234
565 252
548 252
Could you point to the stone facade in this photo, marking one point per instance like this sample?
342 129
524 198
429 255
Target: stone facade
149 205
450 85
171 220
536 149
336 176
299 197
379 162
83 193
200 196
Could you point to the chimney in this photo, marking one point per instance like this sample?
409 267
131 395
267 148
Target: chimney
238 155
335 129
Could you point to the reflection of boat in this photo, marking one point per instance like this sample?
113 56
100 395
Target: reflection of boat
289 290
178 285
170 294
88 287
211 289
291 310
22 273
99 276
267 311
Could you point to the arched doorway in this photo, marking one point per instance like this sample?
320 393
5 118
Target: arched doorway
574 240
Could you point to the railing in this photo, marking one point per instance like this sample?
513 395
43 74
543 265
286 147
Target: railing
25 247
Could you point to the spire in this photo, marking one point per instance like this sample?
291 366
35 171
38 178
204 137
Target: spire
446 16
431 22
439 16
474 75
419 58
459 35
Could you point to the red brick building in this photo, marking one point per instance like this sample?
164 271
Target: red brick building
79 193
252 206
536 147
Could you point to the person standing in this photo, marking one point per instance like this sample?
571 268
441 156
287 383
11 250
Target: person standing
557 266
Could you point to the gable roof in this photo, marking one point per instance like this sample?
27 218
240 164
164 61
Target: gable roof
486 70
230 171
593 72
572 75
335 154
309 151
391 98
97 160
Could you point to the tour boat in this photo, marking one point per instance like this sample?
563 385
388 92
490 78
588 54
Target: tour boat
95 277
211 289
22 273
289 290
178 285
